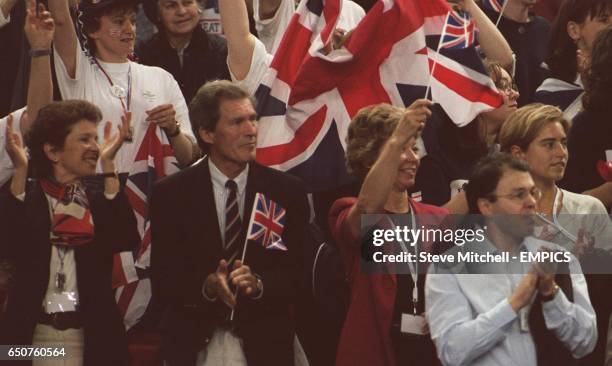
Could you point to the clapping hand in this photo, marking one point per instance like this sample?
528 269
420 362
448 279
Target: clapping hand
111 144
14 146
39 26
217 286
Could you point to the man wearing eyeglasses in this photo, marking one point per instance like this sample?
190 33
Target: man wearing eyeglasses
516 313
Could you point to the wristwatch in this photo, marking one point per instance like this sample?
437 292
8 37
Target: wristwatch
546 298
40 53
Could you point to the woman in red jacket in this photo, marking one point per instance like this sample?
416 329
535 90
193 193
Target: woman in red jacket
385 322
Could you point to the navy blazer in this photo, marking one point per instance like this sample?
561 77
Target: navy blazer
188 248
25 228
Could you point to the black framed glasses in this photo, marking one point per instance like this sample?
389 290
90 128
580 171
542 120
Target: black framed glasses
520 194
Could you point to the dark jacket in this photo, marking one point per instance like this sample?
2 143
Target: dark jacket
25 228
203 60
188 248
587 142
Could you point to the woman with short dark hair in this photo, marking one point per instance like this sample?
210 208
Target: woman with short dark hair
590 139
92 62
62 238
571 40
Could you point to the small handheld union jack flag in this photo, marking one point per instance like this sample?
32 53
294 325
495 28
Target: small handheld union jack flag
495 5
459 32
267 223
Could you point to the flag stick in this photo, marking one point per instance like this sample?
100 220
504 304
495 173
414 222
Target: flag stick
433 68
246 242
501 13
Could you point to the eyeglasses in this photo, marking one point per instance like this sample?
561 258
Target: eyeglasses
506 87
520 194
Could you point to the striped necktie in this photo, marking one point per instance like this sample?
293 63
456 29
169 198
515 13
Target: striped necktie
233 224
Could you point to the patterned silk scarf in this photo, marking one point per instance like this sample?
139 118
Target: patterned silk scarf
71 223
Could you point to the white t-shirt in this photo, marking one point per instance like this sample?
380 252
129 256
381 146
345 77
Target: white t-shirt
6 166
270 31
150 87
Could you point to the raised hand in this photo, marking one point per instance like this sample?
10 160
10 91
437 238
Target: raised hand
39 27
413 121
112 144
14 146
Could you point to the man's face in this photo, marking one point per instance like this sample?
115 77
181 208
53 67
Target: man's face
514 206
233 142
179 17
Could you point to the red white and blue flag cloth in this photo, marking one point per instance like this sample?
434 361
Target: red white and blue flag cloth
154 160
459 31
307 98
267 223
495 5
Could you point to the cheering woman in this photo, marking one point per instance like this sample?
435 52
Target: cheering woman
98 69
61 237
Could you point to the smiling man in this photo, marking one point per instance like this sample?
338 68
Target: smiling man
199 220
526 315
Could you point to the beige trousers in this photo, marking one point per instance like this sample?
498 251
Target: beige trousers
72 339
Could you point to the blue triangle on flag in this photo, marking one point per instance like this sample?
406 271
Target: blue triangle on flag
326 168
410 93
267 105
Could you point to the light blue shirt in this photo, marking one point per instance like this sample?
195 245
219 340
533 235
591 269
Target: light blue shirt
472 322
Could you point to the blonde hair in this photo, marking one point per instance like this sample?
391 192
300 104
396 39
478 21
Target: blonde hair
367 133
524 124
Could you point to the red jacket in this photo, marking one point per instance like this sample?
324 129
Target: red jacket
365 337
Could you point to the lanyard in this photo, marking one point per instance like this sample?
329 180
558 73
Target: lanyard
554 223
118 91
414 267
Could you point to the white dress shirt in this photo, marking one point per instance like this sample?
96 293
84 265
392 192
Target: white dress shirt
472 322
221 192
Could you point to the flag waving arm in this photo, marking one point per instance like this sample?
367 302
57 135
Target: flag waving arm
493 43
382 175
240 42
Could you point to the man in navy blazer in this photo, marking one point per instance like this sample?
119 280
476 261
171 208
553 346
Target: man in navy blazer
199 220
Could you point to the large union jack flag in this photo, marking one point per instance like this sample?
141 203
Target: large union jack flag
495 5
154 160
267 223
308 97
460 31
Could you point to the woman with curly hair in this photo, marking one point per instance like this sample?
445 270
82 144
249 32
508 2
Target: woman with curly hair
62 237
382 153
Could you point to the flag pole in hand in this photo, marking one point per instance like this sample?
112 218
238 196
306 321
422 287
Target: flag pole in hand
244 247
433 68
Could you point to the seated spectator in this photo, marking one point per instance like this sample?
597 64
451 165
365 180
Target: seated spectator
571 40
527 35
589 139
62 238
182 47
527 317
537 134
381 151
444 170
